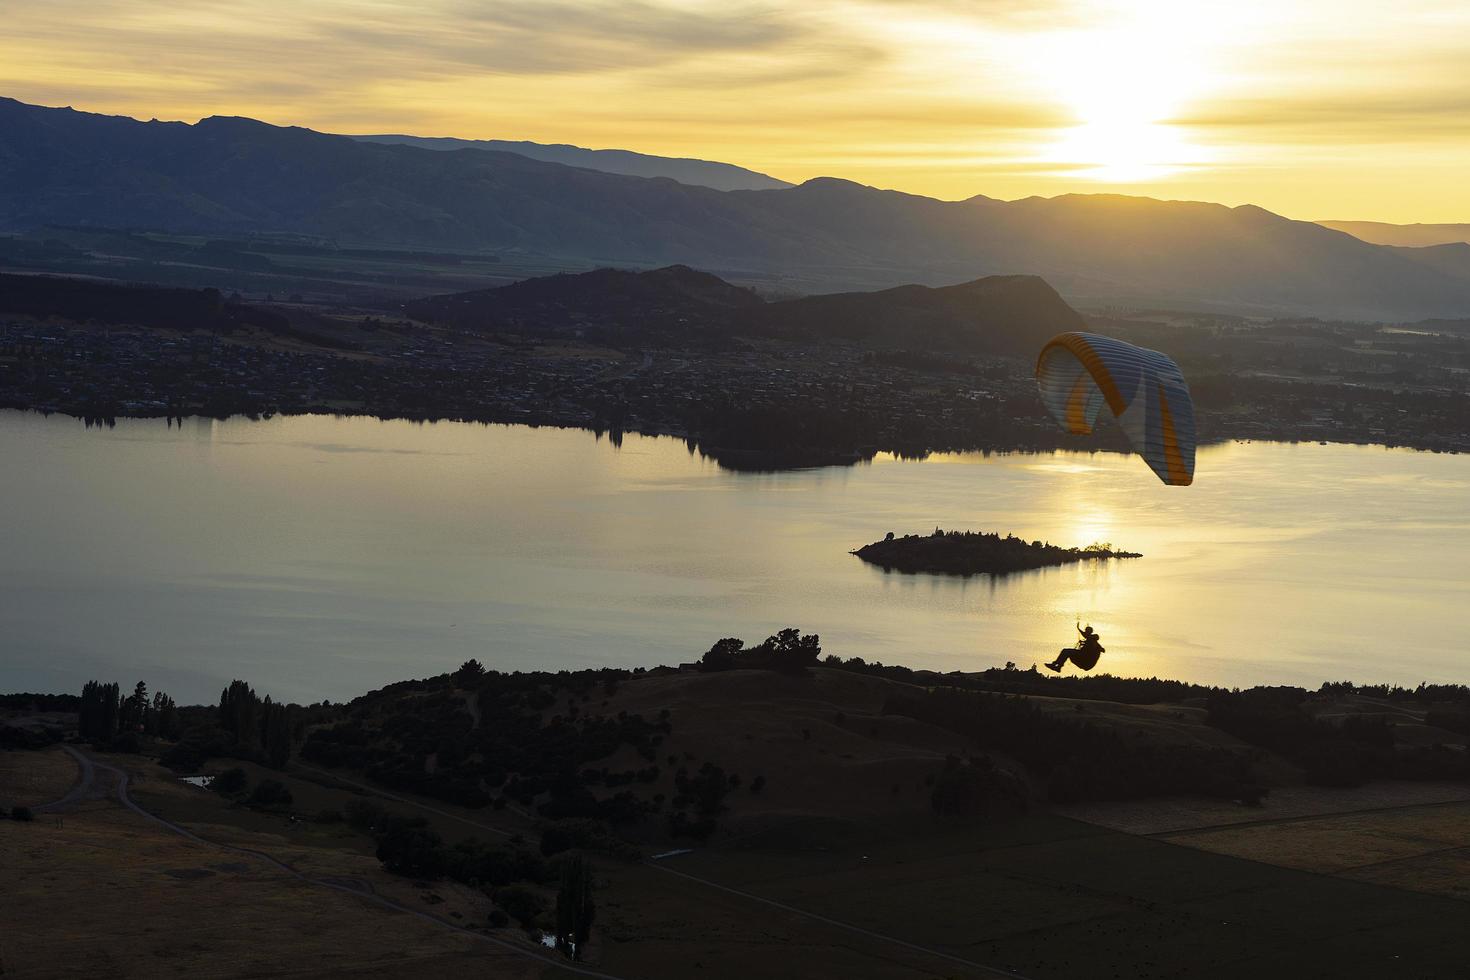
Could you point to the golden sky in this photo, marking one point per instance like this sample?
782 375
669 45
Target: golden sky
1355 109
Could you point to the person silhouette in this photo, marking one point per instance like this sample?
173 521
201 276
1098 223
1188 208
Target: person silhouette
1084 654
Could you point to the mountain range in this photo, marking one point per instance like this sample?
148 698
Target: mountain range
236 176
1414 236
700 173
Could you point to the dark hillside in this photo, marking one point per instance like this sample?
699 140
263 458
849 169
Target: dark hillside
607 303
144 306
997 314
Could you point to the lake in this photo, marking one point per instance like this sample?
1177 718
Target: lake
319 557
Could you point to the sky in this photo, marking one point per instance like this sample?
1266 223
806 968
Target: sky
1317 109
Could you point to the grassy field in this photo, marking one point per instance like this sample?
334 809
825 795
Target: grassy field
103 891
29 778
1053 898
1424 848
837 868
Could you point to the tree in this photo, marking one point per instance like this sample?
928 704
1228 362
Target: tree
791 653
97 715
724 655
133 716
575 908
469 673
275 733
238 709
164 717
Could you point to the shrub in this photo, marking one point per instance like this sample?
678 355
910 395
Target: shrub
498 919
230 782
271 792
520 903
22 813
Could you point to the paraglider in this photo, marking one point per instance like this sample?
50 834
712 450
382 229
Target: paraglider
1084 654
1077 373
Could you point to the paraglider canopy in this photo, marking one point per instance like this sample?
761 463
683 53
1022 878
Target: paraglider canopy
1077 373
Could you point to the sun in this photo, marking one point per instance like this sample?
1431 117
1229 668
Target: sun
1123 86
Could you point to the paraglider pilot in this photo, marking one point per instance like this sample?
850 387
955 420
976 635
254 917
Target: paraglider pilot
1084 654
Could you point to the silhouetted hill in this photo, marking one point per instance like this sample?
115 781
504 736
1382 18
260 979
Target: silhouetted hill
1008 314
1416 235
996 314
148 306
58 166
604 302
702 173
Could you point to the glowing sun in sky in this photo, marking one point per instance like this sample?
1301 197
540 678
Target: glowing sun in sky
1123 87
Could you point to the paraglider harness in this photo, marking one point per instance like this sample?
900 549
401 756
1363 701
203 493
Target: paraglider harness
1087 651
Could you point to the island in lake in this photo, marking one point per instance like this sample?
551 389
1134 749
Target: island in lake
976 553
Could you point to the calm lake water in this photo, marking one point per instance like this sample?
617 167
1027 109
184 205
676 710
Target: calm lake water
320 557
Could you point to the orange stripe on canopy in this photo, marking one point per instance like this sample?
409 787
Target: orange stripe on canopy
1077 406
1179 475
1077 345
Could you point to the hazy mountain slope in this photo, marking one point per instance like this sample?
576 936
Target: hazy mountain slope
1010 314
702 173
1382 233
230 175
1452 259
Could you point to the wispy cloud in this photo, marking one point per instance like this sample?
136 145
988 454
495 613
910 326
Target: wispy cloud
951 97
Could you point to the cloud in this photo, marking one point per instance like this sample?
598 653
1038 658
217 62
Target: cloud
949 97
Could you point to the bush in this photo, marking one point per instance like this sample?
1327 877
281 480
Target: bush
231 782
270 792
22 813
977 788
520 903
498 919
184 757
328 816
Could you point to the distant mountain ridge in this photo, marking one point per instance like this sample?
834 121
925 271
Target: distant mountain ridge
1415 236
228 175
996 314
701 173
